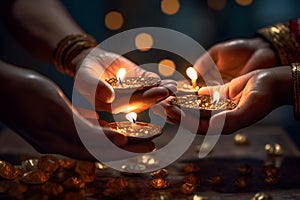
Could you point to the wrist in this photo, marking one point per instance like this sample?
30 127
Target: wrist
68 49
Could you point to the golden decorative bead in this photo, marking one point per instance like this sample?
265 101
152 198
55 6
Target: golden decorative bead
48 163
261 196
241 139
245 169
191 168
192 179
187 188
274 149
35 177
161 173
159 183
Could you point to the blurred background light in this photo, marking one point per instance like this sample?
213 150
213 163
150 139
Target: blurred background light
170 7
143 41
114 20
166 67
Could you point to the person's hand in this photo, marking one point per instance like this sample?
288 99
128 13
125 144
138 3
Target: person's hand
37 109
237 57
256 94
94 66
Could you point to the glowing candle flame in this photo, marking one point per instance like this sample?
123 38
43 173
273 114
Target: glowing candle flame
216 98
120 75
131 117
192 74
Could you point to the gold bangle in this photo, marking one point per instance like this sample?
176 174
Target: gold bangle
68 48
296 89
279 36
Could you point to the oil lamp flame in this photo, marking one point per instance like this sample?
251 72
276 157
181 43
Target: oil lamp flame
120 75
192 74
216 98
131 117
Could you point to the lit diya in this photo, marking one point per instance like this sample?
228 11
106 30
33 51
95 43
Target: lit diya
185 86
129 83
203 103
136 131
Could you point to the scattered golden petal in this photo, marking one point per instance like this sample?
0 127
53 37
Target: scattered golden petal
191 168
66 163
74 182
35 177
192 179
159 183
187 188
48 163
245 169
241 182
8 171
161 173
215 181
52 189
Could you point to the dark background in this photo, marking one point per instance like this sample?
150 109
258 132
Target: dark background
194 18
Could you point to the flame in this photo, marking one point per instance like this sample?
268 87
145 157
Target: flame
216 98
121 74
192 74
131 117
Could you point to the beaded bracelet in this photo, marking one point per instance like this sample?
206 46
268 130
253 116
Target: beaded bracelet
296 89
68 48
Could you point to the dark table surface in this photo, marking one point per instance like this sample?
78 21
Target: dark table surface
223 160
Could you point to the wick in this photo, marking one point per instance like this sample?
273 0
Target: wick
214 102
120 81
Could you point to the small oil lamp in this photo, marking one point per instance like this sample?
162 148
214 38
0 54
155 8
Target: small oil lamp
203 103
121 82
136 131
192 86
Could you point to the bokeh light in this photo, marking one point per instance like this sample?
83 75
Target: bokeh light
143 41
216 4
170 7
166 67
114 20
244 2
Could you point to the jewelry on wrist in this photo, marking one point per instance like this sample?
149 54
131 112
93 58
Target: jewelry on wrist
280 37
68 48
296 89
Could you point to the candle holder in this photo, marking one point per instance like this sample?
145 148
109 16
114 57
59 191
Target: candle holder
185 87
202 103
136 83
136 132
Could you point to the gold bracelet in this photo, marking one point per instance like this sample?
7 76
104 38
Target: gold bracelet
279 36
68 48
296 89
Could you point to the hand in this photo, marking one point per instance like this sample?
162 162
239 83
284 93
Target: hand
99 65
37 109
237 57
256 93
